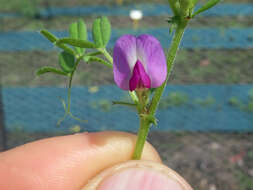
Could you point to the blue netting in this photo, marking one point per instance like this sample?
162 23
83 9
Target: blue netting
38 109
211 38
148 10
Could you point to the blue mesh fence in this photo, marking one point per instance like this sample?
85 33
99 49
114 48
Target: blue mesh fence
148 10
193 108
211 38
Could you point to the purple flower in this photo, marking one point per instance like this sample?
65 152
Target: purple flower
139 62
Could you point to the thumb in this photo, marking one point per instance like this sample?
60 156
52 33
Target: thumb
138 175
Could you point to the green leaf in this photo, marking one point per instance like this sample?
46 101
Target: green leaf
101 31
106 30
206 6
44 70
96 33
52 38
194 2
77 30
82 32
123 103
66 48
94 53
67 61
76 43
73 30
73 33
97 59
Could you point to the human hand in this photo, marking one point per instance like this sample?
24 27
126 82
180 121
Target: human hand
69 162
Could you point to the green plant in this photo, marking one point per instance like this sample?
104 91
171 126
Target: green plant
128 62
245 181
206 102
173 99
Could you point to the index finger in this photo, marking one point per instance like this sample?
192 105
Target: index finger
66 162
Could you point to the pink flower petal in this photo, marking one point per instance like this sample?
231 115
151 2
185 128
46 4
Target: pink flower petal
139 77
151 55
124 59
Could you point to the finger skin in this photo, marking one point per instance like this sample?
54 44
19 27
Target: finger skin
175 180
67 162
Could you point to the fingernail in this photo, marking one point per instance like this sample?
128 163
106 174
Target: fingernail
139 179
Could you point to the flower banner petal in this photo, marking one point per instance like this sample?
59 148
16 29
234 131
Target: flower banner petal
151 55
124 59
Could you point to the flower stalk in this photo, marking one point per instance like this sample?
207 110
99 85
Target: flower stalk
151 110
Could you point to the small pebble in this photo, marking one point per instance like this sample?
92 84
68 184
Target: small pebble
214 146
212 187
250 172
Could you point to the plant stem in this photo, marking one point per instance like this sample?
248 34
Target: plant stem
144 123
106 54
70 81
142 135
170 60
69 91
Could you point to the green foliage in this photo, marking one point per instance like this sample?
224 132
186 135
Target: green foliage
27 8
173 99
103 105
44 70
175 6
82 30
106 30
250 154
69 59
97 59
234 101
251 94
67 62
52 38
186 8
101 32
209 4
208 101
249 107
78 31
245 181
76 43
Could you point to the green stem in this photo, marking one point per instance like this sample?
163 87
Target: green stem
69 91
106 54
123 103
173 7
70 81
144 123
142 135
170 60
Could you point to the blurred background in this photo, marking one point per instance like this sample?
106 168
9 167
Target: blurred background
206 114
